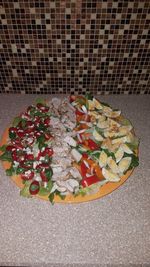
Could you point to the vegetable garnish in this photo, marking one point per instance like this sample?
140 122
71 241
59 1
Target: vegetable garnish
69 148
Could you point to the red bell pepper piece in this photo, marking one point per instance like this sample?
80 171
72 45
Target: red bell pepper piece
79 113
92 145
84 156
83 169
89 180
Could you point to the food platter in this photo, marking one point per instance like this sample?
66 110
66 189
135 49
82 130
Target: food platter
108 180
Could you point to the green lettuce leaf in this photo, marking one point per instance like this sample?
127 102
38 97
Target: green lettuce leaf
25 190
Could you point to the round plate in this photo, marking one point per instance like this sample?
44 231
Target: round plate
103 191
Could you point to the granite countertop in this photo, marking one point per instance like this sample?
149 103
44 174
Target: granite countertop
113 230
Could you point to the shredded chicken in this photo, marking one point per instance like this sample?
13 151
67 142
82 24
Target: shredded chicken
66 177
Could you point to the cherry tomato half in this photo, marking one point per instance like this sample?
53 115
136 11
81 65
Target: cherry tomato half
34 187
42 107
48 136
28 175
29 156
11 148
47 121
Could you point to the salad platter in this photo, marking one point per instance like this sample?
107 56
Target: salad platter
69 150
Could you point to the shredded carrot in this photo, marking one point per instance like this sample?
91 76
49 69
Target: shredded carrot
96 168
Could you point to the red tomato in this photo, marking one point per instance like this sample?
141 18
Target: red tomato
34 188
48 151
20 133
29 131
37 120
43 176
42 107
43 166
17 143
37 134
13 129
89 180
27 175
30 140
30 124
10 148
48 136
26 165
47 121
29 157
18 156
26 116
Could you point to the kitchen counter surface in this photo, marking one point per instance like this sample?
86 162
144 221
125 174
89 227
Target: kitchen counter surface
113 230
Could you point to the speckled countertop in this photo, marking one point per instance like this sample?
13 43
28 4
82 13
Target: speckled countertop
113 230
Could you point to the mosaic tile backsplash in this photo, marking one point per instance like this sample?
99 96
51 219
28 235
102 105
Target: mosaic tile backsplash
75 46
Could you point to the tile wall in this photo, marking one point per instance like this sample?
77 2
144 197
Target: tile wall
75 46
